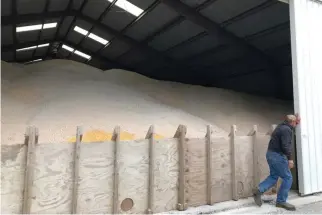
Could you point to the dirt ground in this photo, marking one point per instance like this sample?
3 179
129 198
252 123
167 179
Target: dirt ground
314 208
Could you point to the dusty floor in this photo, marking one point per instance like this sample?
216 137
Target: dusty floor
306 205
313 208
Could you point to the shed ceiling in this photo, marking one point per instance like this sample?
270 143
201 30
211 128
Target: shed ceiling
189 40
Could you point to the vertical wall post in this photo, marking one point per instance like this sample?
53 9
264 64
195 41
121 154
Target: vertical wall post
77 146
36 135
209 165
150 136
253 133
181 135
30 140
116 139
233 162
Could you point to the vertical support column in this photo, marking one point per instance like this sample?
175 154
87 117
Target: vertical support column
253 133
79 135
30 140
209 165
36 135
150 136
233 162
182 147
116 139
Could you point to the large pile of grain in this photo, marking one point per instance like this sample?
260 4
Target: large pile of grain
58 95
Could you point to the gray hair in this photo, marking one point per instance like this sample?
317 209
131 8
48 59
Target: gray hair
291 118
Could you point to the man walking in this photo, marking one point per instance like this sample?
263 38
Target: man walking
279 160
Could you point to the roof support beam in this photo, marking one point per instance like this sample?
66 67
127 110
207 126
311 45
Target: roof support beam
222 34
74 20
226 23
137 19
42 22
168 26
101 17
252 11
87 51
280 27
192 59
210 26
24 61
98 57
25 18
131 42
7 48
66 12
188 41
285 1
175 22
118 35
14 33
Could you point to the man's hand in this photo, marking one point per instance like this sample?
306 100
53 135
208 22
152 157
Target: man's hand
290 164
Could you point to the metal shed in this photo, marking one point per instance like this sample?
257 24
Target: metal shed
240 45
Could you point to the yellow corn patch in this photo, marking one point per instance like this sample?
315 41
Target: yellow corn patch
127 136
158 137
100 136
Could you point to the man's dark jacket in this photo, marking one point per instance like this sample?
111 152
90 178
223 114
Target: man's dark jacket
281 140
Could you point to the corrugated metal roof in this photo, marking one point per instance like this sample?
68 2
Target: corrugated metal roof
168 34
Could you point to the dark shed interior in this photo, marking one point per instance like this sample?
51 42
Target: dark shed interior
233 44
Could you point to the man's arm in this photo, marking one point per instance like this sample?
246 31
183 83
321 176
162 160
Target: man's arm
286 142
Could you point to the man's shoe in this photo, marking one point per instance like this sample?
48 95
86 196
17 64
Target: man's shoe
257 197
286 206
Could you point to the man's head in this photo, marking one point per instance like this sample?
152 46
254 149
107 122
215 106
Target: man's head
293 120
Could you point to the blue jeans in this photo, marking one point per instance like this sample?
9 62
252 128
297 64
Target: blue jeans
278 167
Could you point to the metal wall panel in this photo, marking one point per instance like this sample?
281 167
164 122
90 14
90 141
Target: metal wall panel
306 39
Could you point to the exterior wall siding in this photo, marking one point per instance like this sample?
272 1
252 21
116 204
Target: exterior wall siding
306 40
